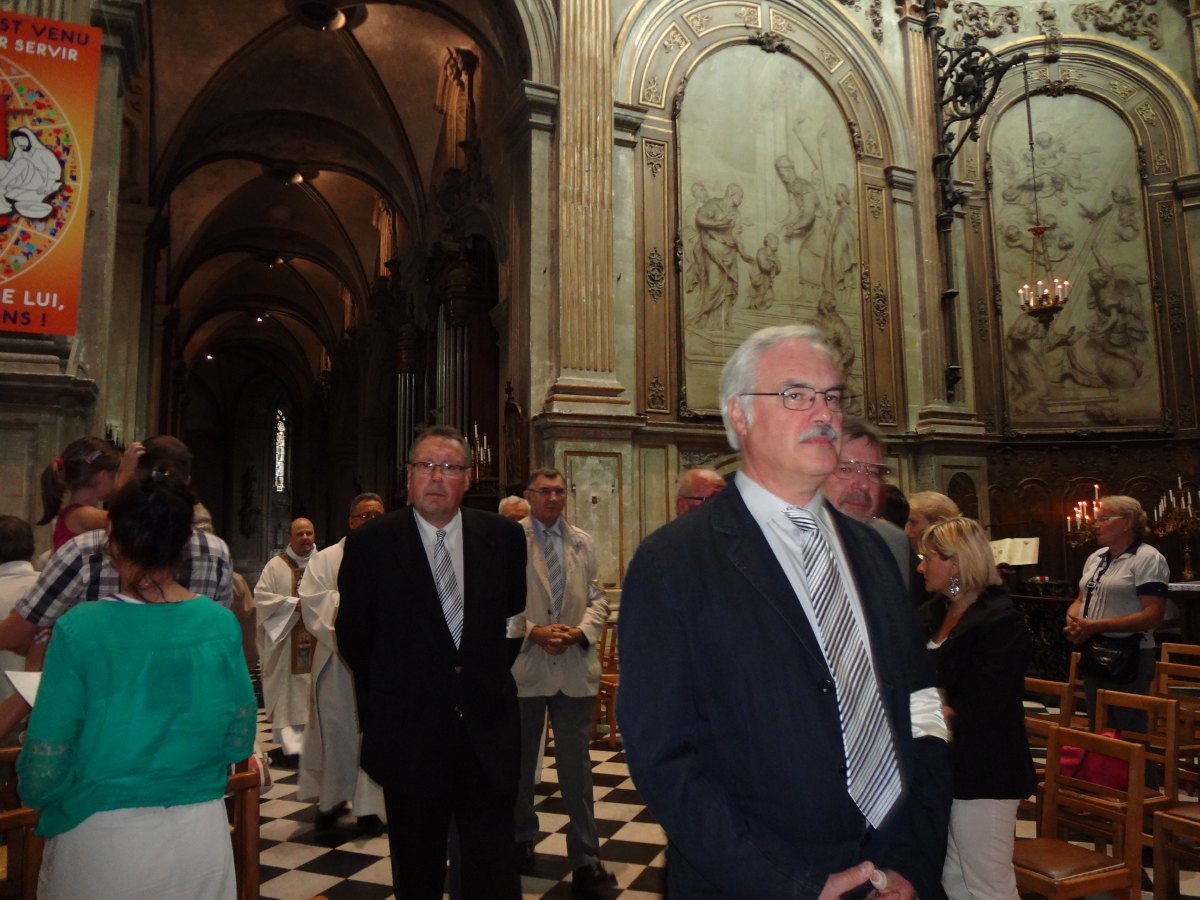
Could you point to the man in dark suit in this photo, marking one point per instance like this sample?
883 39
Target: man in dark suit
777 707
426 595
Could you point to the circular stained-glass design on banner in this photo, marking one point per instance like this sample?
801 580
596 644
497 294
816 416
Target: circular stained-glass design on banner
39 171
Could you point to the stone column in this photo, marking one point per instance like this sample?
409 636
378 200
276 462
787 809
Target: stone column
586 365
926 372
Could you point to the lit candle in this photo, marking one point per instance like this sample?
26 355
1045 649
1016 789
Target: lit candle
1179 479
1096 491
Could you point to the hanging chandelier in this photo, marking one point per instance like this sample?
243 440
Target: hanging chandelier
1044 295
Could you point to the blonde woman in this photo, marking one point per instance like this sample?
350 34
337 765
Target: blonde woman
925 508
981 649
1122 593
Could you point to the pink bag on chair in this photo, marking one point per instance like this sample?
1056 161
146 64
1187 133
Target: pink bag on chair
1075 762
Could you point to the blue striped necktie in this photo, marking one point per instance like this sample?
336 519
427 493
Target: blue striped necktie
554 570
872 772
447 588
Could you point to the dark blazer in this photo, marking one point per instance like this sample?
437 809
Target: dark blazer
981 671
414 688
730 719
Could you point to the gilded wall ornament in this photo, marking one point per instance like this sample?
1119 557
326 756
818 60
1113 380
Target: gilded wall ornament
674 40
879 306
1176 315
694 459
875 17
1166 212
850 86
984 21
875 202
1048 26
831 59
856 138
1122 90
781 23
656 274
1162 164
1128 18
655 153
871 144
652 93
770 41
982 328
887 411
1143 165
750 16
1147 113
972 167
976 219
656 398
698 22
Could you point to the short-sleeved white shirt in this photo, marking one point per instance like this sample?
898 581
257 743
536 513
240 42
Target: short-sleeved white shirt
1117 583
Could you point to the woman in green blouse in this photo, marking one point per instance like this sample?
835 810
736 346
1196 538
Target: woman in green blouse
144 703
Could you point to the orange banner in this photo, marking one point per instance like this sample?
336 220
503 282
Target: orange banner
48 79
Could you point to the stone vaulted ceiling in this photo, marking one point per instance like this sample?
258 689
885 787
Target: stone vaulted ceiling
246 96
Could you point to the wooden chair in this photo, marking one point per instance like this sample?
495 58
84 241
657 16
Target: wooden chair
21 855
1079 716
1161 743
1055 700
1037 731
1058 869
1181 682
1184 654
606 695
241 790
1176 837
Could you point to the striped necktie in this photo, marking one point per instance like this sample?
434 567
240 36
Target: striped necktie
447 588
872 772
554 570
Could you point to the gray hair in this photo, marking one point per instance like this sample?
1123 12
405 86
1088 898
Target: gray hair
856 428
1129 508
509 500
363 497
741 369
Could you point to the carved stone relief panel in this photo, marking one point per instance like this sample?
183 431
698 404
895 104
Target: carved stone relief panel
594 481
768 213
1098 363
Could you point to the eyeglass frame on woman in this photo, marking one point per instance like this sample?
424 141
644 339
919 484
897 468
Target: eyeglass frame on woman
794 398
448 470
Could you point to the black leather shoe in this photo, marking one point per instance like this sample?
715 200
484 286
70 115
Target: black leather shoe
369 826
280 760
327 820
592 880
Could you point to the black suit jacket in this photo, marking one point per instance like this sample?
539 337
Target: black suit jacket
981 671
415 690
730 719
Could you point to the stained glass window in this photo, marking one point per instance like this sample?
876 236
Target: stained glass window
280 451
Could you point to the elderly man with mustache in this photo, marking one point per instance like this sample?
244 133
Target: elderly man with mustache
777 704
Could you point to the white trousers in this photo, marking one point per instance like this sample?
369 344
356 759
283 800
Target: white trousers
149 853
979 852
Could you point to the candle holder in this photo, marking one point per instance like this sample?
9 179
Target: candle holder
1182 521
1084 537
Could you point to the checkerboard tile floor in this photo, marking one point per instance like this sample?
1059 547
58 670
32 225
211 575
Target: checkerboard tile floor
296 866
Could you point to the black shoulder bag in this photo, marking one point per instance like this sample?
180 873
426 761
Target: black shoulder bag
1114 659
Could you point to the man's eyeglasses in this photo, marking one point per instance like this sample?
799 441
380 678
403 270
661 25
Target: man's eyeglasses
697 499
448 470
549 491
802 398
873 472
1108 518
369 514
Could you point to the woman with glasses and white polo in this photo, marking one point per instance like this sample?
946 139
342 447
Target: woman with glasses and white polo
1122 598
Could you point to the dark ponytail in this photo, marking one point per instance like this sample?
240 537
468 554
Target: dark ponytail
150 520
82 460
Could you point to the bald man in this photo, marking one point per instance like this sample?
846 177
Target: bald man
694 487
284 645
514 507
